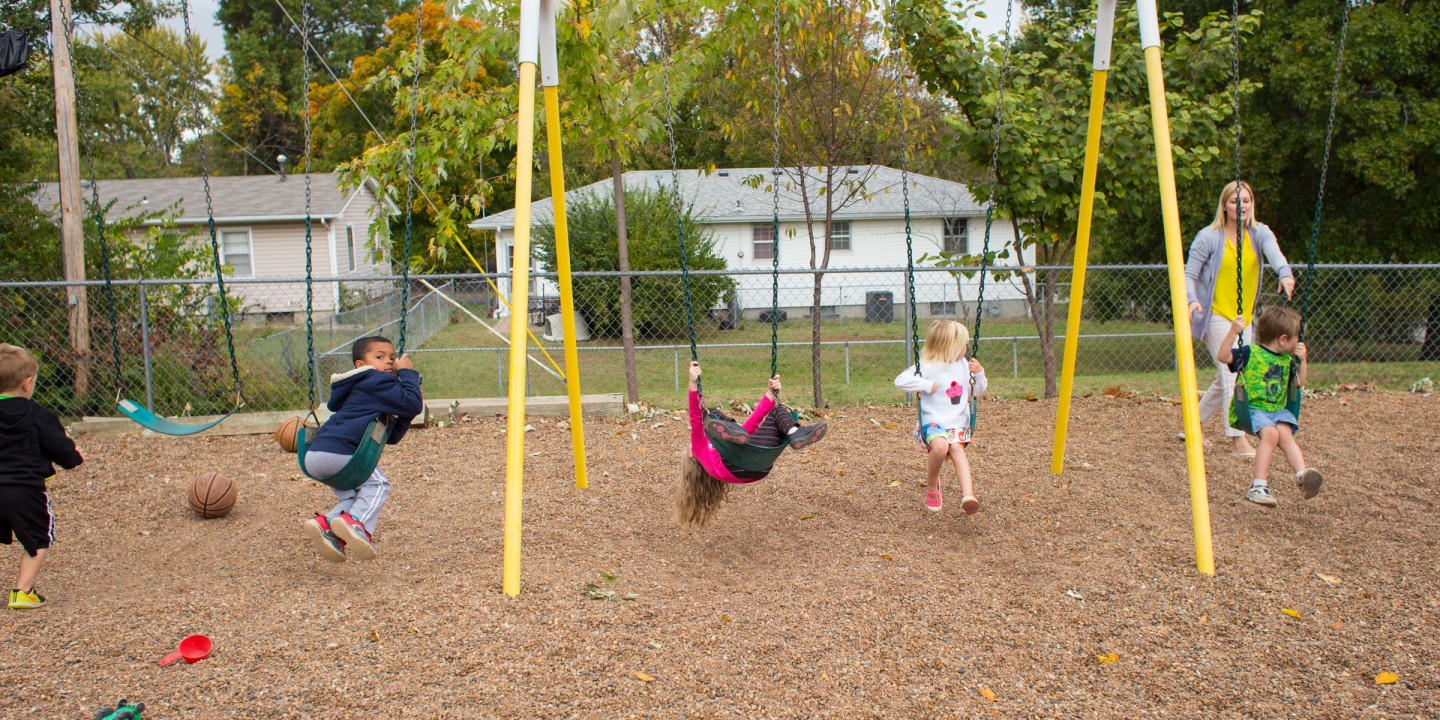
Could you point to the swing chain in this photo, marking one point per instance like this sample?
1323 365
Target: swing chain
994 181
775 200
309 260
99 214
1239 224
214 241
410 184
909 235
675 181
1324 165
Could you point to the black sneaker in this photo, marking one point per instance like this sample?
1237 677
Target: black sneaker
807 435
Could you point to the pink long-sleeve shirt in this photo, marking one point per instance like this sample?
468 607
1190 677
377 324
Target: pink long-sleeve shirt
706 453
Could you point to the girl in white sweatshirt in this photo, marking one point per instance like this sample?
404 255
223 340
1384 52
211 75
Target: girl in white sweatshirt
945 383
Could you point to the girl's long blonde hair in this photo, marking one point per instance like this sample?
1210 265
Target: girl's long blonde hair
1227 197
700 495
945 342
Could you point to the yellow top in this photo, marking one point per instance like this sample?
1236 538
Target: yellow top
1223 304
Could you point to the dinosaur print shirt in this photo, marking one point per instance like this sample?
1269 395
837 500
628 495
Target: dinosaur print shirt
1266 376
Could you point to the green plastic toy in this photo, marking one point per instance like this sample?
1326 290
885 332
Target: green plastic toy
123 710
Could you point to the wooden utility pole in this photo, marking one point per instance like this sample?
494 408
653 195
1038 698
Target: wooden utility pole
72 205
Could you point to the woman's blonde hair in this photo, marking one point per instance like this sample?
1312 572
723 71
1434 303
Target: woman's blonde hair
945 342
700 495
1227 197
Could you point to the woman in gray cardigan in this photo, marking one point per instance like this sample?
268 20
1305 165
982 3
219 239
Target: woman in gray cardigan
1210 284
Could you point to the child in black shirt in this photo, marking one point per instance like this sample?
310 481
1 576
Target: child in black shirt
31 438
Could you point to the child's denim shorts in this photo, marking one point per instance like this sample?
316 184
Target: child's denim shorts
1260 419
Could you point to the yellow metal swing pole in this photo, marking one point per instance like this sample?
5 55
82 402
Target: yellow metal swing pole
1104 32
1175 259
520 294
550 80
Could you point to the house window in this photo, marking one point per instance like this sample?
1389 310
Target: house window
957 235
941 309
839 235
762 242
236 252
350 245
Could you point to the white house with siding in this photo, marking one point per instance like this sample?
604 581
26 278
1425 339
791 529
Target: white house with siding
736 206
260 225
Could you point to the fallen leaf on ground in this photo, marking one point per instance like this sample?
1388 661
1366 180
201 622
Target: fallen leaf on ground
1107 658
895 484
1075 595
989 695
883 556
890 426
1329 578
375 635
806 516
1386 678
725 618
643 677
1291 613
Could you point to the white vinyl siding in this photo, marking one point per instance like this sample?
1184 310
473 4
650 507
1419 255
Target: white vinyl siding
237 252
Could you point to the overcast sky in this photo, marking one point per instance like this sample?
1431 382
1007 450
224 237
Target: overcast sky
202 21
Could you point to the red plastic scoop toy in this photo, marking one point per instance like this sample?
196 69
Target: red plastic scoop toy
194 649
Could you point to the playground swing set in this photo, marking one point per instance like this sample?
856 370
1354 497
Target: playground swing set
537 53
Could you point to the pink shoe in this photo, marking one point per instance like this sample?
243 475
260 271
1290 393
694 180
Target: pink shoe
933 501
970 505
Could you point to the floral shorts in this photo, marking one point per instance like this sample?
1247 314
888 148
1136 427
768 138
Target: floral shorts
954 436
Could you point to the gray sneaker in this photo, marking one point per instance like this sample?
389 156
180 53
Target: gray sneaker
1260 495
1309 482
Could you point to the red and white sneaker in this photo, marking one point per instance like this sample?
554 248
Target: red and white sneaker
330 547
357 540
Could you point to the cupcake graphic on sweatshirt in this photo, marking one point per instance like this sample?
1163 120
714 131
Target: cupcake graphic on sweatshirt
955 392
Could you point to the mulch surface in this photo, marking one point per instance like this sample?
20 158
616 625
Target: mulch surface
826 591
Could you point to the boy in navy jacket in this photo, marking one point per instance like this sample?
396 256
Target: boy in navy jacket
31 438
381 386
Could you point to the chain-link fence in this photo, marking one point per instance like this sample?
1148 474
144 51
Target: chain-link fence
172 352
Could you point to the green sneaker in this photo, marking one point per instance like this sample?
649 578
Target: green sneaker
21 600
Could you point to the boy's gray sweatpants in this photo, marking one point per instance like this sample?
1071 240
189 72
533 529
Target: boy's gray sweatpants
363 503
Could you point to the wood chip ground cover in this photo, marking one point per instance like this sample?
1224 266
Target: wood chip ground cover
822 592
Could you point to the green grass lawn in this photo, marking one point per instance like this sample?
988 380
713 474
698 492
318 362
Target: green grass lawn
462 361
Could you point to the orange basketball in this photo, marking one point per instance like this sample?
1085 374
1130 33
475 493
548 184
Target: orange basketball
212 495
286 434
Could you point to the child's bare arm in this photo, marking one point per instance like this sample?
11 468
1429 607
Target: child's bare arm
1225 355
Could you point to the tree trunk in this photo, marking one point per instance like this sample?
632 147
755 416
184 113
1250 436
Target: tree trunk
1431 349
627 318
1047 331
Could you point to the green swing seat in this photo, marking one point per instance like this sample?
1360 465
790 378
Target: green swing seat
360 466
1240 403
745 456
150 421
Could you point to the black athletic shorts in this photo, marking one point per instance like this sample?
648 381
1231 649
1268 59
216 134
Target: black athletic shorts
25 515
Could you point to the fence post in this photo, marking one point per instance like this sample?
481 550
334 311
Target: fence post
1014 357
677 369
145 346
499 371
847 362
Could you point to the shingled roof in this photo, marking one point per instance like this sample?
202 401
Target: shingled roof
251 198
724 196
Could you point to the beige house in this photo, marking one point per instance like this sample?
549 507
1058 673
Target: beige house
260 225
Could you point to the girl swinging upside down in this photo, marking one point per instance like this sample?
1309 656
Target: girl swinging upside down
725 453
